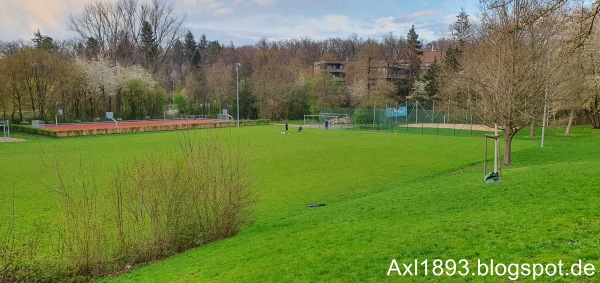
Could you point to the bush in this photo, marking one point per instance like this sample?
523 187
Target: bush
97 119
20 259
158 206
32 130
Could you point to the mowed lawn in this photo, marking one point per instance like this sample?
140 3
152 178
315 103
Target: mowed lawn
387 196
402 197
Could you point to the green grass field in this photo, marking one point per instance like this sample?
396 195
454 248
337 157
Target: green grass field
388 196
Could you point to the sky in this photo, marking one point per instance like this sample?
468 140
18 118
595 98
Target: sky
245 22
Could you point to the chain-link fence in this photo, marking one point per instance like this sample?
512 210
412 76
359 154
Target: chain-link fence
413 118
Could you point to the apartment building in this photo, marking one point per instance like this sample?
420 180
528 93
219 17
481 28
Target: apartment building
378 69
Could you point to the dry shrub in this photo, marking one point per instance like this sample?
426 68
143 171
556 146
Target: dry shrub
170 203
152 207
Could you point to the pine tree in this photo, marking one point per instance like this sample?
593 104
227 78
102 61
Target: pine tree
452 57
190 45
196 59
149 44
431 78
203 44
461 29
92 48
414 51
42 42
461 32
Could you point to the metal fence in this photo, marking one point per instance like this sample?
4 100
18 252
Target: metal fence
414 118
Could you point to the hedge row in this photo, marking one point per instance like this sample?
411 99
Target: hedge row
31 130
75 133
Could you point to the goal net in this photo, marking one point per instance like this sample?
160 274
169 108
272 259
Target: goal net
334 120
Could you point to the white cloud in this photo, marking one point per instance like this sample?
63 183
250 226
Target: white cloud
450 18
211 7
19 19
242 21
422 14
264 2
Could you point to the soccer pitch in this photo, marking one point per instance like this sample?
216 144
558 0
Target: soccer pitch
389 197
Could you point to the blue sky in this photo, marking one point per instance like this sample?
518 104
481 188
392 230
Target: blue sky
246 21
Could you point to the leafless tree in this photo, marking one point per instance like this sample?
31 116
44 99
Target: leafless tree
506 70
117 27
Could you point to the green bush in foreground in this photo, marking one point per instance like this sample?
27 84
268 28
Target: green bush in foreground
155 207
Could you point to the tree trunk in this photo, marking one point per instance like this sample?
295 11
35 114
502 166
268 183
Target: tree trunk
593 112
508 136
571 118
532 133
596 121
594 118
3 110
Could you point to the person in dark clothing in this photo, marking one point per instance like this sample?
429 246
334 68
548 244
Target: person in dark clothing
326 124
286 125
300 129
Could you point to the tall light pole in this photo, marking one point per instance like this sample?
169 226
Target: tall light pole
237 80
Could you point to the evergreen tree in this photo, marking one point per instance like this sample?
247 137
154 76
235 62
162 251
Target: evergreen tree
412 57
461 32
149 44
92 48
414 51
461 29
203 44
42 42
431 78
196 59
452 57
190 45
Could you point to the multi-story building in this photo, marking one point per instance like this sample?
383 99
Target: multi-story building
333 68
378 69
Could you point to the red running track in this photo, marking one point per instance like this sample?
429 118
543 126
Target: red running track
122 124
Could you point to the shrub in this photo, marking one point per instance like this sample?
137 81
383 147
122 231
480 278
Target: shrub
31 130
199 196
97 119
153 207
20 260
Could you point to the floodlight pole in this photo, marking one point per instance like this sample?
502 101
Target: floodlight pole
237 80
545 116
58 112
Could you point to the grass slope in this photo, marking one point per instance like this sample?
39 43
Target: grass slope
388 196
402 197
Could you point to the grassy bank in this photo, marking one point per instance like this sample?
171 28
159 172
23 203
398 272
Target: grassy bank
387 196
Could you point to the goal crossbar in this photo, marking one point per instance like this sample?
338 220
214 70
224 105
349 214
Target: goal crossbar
319 116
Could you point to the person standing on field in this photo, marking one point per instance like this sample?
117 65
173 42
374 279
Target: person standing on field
326 124
286 125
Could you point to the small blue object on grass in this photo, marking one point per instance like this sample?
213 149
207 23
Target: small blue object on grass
315 204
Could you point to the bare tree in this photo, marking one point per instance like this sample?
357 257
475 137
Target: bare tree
506 69
117 28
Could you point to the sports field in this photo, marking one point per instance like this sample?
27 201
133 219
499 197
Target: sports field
388 196
125 124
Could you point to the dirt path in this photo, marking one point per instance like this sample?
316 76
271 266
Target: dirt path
453 126
11 140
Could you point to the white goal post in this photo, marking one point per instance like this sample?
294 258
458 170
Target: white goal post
334 119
